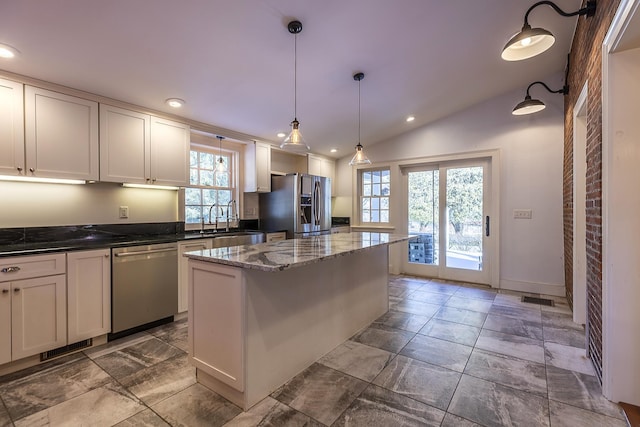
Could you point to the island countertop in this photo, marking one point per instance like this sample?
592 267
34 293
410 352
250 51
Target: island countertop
286 254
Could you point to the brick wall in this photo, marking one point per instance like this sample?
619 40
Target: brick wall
585 62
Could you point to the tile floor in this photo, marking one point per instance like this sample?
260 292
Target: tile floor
444 355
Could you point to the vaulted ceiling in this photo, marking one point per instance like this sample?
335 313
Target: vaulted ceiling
232 60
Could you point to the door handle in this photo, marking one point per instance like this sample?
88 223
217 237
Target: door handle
487 226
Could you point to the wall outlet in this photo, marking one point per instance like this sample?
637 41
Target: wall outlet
124 212
522 213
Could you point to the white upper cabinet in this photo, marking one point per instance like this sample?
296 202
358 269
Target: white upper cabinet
257 169
11 128
170 143
142 149
322 166
125 143
61 135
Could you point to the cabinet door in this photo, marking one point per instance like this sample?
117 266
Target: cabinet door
257 170
183 269
124 145
88 294
5 323
11 128
314 165
61 135
170 143
38 315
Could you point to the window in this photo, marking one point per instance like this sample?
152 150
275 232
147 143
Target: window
210 191
375 190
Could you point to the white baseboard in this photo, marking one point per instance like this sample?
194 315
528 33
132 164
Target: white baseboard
533 287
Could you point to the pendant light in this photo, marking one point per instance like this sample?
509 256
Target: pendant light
295 141
220 166
359 158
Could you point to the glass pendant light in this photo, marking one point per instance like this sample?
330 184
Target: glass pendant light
295 141
220 166
359 158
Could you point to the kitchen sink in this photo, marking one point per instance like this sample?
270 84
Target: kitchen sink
236 238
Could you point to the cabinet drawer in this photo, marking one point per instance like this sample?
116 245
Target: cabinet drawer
27 267
276 237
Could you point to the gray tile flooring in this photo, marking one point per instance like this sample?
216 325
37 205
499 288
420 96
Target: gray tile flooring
446 354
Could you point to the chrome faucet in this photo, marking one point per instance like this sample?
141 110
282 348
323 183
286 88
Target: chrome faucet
231 207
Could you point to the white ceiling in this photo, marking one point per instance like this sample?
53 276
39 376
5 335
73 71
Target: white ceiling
232 60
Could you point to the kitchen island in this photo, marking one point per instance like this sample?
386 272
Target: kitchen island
260 314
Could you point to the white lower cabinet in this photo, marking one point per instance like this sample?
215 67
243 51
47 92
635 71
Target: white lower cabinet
33 302
38 315
183 269
88 294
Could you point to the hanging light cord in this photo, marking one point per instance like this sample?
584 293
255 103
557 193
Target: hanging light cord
295 77
359 110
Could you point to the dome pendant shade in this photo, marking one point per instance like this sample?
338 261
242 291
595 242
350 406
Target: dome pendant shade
295 141
528 106
530 42
527 43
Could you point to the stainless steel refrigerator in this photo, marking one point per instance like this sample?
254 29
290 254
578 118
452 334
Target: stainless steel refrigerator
299 204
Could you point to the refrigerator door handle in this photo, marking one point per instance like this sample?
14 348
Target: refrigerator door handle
317 194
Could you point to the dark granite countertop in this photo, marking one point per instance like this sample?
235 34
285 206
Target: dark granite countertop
98 240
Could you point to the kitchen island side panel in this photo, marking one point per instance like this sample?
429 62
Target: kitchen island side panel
297 316
290 318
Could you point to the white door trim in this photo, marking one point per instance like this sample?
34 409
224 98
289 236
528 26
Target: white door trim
620 318
579 208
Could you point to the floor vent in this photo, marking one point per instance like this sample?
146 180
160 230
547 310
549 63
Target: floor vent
541 301
64 350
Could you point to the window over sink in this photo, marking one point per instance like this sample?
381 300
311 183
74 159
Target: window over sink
208 196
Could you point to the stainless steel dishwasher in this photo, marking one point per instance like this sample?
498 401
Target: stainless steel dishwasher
144 286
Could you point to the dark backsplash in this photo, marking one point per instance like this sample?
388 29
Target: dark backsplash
12 236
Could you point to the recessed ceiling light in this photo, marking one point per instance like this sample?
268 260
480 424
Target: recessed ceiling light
175 102
281 135
7 51
411 118
334 150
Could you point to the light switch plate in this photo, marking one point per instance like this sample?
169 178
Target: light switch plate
124 211
522 213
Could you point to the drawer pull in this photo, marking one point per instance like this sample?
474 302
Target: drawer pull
16 290
5 291
10 269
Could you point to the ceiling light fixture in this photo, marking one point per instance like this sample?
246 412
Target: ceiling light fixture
220 166
359 158
533 41
530 106
334 150
175 102
295 141
281 135
7 51
410 118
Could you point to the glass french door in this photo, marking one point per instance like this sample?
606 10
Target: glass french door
448 209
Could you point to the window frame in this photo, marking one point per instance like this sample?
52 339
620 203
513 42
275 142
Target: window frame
207 144
361 196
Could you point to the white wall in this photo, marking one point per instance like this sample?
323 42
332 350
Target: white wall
531 151
36 205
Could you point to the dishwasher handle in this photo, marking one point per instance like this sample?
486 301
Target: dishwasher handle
152 251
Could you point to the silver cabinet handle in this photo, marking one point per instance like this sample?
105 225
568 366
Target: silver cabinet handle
19 168
32 170
10 270
203 247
